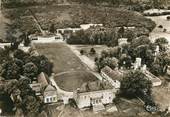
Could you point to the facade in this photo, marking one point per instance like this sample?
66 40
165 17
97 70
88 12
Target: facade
50 94
95 94
112 76
73 30
37 88
87 26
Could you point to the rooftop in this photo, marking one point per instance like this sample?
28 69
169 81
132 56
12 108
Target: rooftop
114 74
42 79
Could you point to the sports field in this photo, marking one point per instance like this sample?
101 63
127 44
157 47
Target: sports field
70 72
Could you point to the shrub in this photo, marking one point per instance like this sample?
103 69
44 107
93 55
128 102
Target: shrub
82 52
92 51
160 26
168 7
168 17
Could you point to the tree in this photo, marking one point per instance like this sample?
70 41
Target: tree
164 61
30 70
156 3
26 39
82 52
121 32
134 83
161 41
11 70
42 63
92 51
20 54
145 53
156 69
142 40
11 86
4 53
52 28
168 18
130 35
45 65
102 62
125 61
31 105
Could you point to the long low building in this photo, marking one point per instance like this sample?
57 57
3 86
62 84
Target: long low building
95 94
112 76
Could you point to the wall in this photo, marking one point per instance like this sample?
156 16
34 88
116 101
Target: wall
84 99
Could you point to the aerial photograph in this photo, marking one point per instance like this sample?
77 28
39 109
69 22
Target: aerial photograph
84 58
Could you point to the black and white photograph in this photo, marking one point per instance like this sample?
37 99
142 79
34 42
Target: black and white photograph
84 58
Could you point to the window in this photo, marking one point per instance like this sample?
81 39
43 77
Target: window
51 99
47 100
54 98
100 101
93 101
96 101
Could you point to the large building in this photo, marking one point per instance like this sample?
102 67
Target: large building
95 94
112 76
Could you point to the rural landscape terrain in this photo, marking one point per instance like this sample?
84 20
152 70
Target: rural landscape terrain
85 58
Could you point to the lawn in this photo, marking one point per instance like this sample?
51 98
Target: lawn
70 72
72 80
158 32
63 58
86 48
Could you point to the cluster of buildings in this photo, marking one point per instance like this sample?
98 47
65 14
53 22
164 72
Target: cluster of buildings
44 89
61 34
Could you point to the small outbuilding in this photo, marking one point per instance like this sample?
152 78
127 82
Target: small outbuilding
50 94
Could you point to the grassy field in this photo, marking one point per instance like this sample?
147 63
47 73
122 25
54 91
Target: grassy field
70 72
72 80
157 32
63 58
86 48
74 15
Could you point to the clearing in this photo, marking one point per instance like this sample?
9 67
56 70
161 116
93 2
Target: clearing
63 58
158 32
86 48
70 72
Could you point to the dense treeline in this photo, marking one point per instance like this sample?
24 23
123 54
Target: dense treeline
21 3
94 35
106 36
18 70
